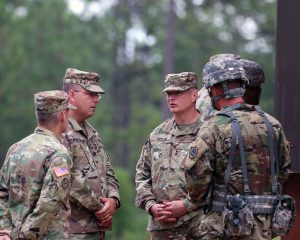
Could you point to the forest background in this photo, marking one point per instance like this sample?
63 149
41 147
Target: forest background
132 44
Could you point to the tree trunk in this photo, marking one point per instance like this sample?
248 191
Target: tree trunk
170 46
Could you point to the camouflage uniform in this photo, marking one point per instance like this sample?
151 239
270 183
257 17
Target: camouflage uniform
204 104
160 170
91 167
208 157
35 180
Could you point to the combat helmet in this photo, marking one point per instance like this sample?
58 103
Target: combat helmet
254 73
222 70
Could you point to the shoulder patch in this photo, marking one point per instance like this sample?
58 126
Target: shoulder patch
65 184
193 152
61 170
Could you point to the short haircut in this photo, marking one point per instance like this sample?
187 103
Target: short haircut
47 118
70 86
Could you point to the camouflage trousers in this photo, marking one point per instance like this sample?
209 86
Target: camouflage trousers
211 228
187 231
87 236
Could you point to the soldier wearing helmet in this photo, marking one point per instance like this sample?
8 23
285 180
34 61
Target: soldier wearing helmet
230 159
225 79
255 75
203 103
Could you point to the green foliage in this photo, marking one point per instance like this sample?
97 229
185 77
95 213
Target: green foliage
128 220
127 45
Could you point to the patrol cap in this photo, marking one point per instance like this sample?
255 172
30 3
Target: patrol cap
51 101
88 80
254 72
180 81
225 55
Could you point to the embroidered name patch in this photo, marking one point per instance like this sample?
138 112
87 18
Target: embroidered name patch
193 152
61 171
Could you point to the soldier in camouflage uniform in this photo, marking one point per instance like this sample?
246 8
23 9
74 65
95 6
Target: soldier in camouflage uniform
208 155
160 184
35 179
255 75
92 215
204 103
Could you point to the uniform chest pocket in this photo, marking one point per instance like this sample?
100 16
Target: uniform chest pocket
170 155
180 152
95 145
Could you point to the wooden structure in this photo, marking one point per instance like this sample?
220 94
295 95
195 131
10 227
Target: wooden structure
288 92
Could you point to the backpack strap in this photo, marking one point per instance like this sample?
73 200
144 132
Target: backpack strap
236 137
274 164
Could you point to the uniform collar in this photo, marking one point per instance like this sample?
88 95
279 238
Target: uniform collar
239 106
44 131
171 127
75 125
89 131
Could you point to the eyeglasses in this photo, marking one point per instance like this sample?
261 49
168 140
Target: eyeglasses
91 94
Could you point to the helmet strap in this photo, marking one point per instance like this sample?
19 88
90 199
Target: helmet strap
214 98
233 93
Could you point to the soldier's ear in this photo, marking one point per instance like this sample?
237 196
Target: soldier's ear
194 93
63 116
71 94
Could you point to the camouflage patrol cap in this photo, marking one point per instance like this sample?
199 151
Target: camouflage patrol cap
88 80
225 55
222 69
254 72
180 81
51 101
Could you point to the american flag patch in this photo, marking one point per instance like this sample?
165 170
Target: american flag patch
61 171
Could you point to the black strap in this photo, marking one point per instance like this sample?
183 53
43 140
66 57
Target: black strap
231 152
236 135
243 161
272 151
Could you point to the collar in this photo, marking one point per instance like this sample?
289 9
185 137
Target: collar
238 106
89 131
171 127
44 131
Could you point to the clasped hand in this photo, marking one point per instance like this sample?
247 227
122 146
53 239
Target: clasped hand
104 216
168 212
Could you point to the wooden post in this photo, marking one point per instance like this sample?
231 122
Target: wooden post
288 92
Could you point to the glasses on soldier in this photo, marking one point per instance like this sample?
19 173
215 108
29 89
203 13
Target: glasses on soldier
91 94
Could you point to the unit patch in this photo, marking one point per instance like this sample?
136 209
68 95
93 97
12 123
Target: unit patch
65 183
193 152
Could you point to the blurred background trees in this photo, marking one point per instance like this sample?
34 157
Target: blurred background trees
133 44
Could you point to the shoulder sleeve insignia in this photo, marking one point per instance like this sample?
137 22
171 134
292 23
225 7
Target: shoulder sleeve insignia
193 152
61 170
65 184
